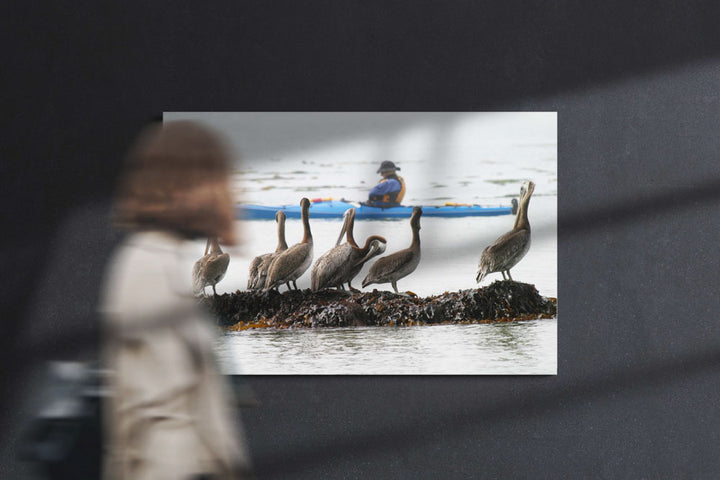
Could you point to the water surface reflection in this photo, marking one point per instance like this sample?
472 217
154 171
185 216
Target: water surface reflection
512 348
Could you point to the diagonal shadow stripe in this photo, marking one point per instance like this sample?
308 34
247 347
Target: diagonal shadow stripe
396 437
633 209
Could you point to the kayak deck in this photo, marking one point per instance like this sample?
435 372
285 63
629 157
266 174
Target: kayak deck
335 209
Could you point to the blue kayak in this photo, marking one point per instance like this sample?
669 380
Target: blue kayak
335 209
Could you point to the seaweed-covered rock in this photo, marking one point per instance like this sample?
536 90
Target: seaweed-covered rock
501 301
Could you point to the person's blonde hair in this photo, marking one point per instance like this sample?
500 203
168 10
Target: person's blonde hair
176 179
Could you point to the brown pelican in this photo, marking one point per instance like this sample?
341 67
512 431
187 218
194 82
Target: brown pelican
400 264
374 245
336 257
505 252
289 265
259 265
211 268
341 263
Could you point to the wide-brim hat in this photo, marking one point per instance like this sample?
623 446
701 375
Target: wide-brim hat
387 166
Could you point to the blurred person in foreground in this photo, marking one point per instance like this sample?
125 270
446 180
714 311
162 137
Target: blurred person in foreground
169 414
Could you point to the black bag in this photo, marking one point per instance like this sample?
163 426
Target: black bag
65 439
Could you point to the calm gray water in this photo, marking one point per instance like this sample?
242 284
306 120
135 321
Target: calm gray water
510 348
483 158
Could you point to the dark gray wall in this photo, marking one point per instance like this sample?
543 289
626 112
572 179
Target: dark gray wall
636 91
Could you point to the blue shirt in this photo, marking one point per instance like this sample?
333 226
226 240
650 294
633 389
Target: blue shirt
383 188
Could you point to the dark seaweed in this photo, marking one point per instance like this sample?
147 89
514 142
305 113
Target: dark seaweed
502 301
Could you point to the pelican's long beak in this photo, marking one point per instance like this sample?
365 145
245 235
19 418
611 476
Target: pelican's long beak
342 234
376 248
346 218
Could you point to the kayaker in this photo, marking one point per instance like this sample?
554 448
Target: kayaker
391 189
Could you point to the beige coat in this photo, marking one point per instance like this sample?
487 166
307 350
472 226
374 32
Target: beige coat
169 415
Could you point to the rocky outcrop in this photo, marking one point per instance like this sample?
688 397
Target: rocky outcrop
502 301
